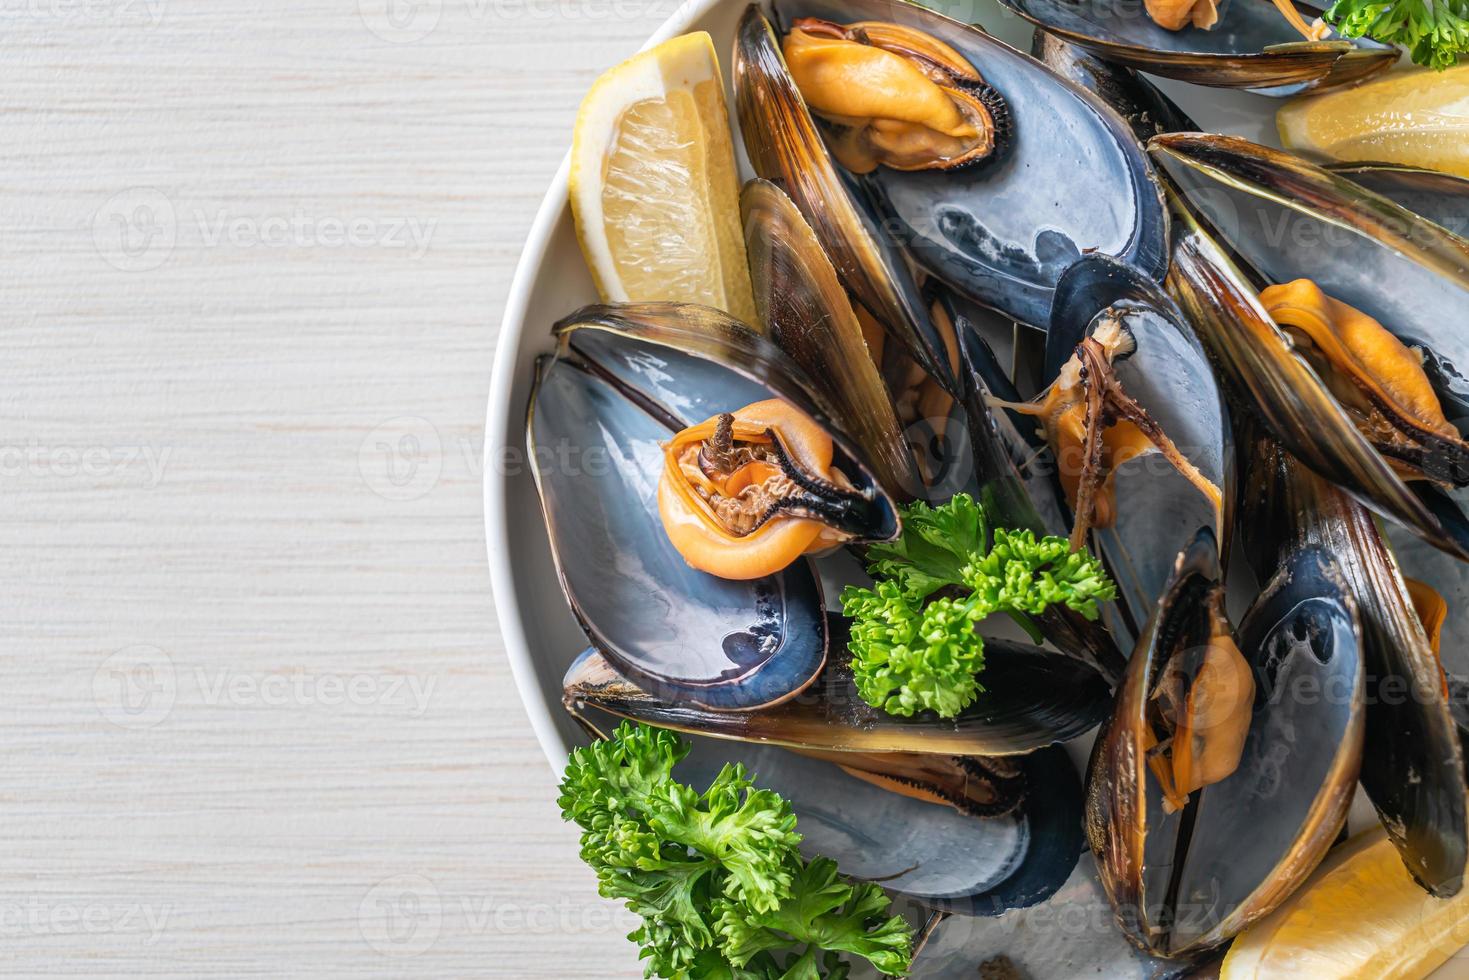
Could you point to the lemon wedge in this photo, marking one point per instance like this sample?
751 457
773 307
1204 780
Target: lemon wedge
1359 916
1416 118
654 186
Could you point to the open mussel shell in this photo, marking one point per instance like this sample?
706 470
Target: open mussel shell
1252 46
1413 765
784 146
806 311
1015 491
1140 103
1070 180
1441 198
1186 881
1158 513
1258 362
942 858
624 380
1289 219
1033 698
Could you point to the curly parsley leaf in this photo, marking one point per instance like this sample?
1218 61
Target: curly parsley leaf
1435 32
909 655
716 876
912 652
936 544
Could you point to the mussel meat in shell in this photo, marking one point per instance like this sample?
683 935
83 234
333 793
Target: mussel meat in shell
1378 379
974 227
1175 15
1124 383
1199 713
625 381
1286 219
1094 427
747 492
1215 789
894 96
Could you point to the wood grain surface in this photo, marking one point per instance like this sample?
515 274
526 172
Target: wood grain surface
257 715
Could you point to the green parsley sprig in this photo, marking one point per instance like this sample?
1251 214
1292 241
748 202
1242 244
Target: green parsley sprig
1435 32
723 892
913 652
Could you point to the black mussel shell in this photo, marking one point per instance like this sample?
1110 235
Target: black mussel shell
1253 46
1158 511
1033 698
1413 764
626 378
1238 202
1140 103
1071 180
1439 197
1187 881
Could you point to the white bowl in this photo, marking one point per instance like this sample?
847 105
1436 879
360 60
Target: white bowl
541 637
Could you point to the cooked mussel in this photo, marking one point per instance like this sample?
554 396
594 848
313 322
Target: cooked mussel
1126 385
1286 220
893 96
807 313
1215 788
1379 380
940 856
745 493
1072 179
1413 764
624 382
1032 698
1264 46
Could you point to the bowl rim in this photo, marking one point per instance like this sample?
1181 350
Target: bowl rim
503 586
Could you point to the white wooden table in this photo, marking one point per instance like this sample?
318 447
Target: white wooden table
256 712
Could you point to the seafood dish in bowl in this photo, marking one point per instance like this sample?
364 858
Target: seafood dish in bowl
988 512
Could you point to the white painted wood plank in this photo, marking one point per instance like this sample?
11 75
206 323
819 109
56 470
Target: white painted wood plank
254 699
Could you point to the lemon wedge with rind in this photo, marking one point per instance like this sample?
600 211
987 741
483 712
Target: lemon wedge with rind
1359 917
654 185
1416 118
